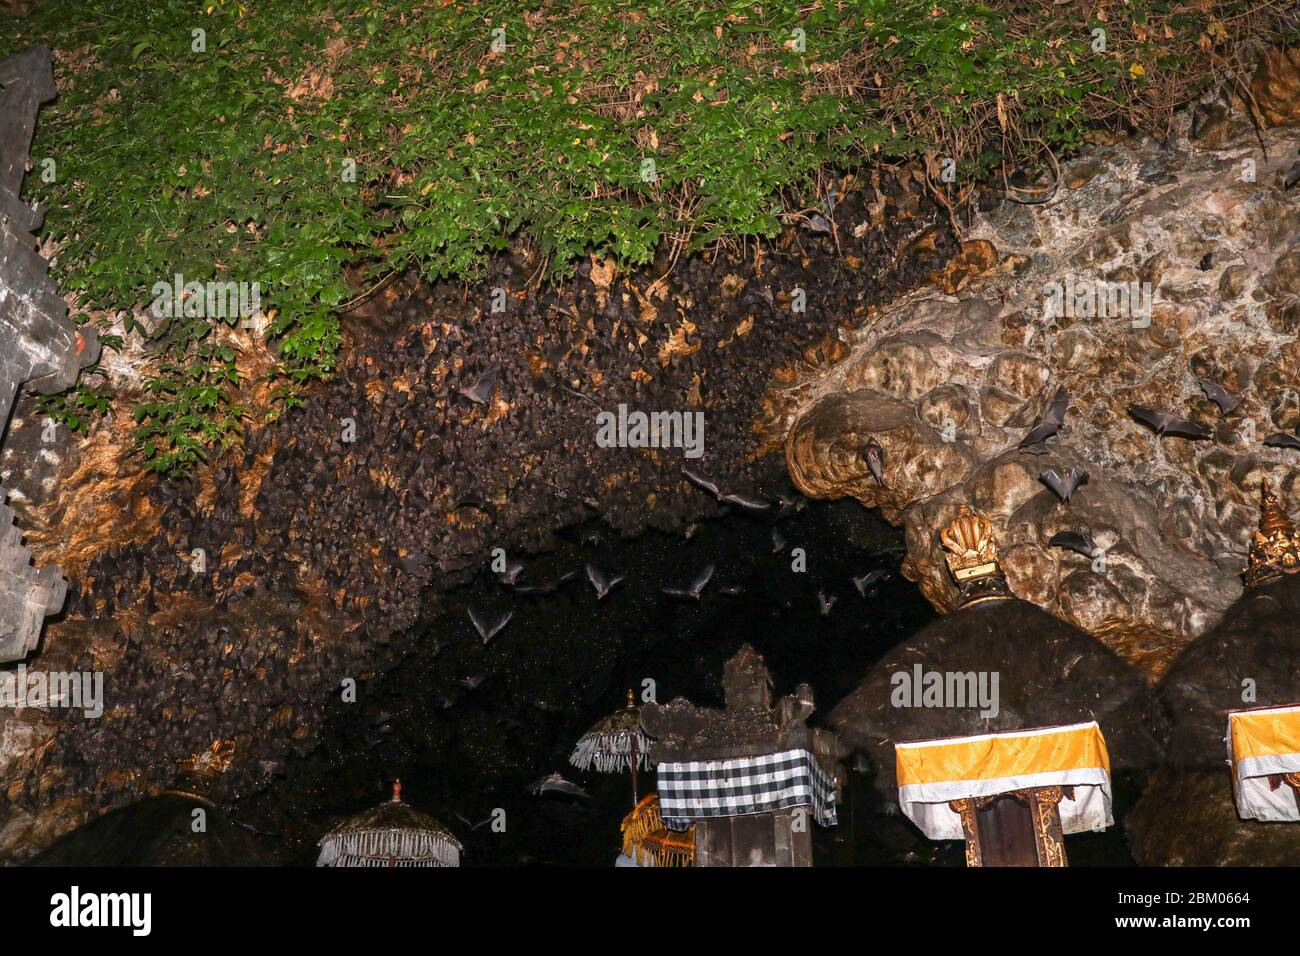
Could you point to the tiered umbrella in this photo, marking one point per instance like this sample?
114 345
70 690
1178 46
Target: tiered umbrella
647 842
392 834
613 743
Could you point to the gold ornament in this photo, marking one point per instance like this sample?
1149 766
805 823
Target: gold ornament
1275 547
971 550
212 762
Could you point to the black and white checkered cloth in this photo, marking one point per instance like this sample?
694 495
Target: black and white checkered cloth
732 788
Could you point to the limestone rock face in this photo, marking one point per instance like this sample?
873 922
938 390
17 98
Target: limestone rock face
948 385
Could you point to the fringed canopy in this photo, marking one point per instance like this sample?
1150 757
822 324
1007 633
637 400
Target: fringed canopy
610 744
392 834
647 841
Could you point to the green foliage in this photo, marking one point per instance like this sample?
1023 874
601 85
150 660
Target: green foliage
229 164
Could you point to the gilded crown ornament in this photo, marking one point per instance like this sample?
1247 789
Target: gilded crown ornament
212 762
1275 547
972 556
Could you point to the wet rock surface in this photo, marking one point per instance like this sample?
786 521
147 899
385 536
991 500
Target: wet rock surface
949 384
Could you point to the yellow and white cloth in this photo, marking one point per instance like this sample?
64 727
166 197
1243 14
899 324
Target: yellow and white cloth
932 772
1263 744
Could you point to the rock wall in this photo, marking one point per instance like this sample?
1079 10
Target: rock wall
948 382
39 345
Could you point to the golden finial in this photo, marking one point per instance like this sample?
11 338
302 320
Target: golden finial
972 556
212 762
971 550
397 790
1275 547
631 700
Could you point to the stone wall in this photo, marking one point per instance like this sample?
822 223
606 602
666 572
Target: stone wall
39 345
948 382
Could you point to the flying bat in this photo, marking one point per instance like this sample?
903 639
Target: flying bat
471 682
699 481
1067 486
1038 448
473 826
876 461
697 586
548 588
778 541
1078 541
511 573
748 502
488 629
1282 440
865 581
480 390
1167 423
1216 393
602 582
1049 423
554 783
825 602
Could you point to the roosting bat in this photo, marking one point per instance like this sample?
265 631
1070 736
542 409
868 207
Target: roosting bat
1167 423
480 390
696 588
1067 486
1216 393
876 461
1078 541
1047 424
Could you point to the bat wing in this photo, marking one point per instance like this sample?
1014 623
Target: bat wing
1282 440
499 625
700 481
480 625
1078 541
1186 428
747 501
702 580
1055 482
1216 393
1055 415
1153 418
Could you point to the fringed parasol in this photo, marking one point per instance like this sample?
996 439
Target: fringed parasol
649 843
392 834
613 743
